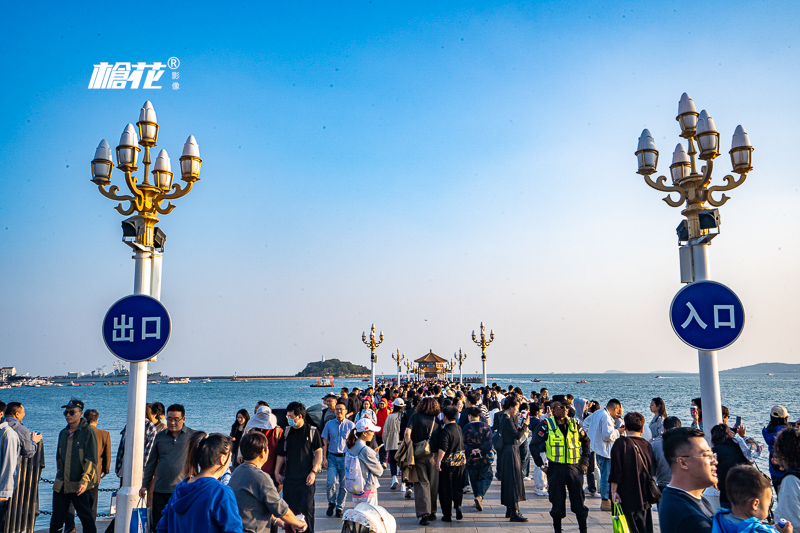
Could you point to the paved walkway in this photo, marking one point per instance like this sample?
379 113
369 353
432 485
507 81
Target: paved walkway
536 508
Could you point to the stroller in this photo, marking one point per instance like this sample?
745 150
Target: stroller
366 518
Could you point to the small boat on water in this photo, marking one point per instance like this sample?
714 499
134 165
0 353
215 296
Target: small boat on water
178 381
582 381
323 382
537 380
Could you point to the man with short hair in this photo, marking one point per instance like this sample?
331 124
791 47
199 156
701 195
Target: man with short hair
603 434
328 413
28 440
354 405
103 452
334 438
477 436
9 459
682 508
168 455
76 465
300 448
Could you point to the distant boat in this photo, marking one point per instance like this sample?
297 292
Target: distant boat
537 380
770 374
178 381
582 381
323 382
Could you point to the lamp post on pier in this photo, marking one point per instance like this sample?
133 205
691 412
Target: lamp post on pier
460 357
147 241
692 187
408 370
483 343
397 357
373 342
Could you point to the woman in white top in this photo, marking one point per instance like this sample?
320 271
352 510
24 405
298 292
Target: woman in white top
366 411
658 409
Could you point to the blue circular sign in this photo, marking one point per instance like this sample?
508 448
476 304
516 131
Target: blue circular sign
707 315
136 328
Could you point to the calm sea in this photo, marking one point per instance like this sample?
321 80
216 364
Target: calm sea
212 406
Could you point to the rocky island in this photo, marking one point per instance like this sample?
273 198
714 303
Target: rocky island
333 368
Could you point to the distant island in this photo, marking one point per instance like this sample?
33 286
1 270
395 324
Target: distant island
766 368
614 372
333 368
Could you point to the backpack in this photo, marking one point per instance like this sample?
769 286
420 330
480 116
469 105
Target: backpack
497 442
353 477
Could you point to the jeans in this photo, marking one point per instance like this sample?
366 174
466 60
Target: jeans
480 477
525 459
605 470
335 482
393 463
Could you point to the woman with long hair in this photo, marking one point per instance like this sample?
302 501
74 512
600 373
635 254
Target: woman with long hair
509 465
201 503
418 434
237 432
391 438
728 455
367 411
370 466
659 410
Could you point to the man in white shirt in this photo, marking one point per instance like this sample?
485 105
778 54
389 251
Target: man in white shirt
603 433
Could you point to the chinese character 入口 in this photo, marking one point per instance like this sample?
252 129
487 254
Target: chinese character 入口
693 316
731 320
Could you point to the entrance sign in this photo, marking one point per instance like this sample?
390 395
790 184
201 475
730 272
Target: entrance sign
136 328
707 315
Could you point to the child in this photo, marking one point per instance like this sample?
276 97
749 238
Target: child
750 495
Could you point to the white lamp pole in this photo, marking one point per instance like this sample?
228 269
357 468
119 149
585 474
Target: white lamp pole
483 343
373 342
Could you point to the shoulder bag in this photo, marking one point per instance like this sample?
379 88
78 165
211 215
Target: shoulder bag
653 492
422 449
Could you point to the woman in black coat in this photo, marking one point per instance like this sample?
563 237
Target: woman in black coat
509 466
728 455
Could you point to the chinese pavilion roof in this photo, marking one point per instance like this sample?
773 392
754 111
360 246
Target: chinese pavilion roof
430 357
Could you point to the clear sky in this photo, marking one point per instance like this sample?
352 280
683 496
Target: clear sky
421 165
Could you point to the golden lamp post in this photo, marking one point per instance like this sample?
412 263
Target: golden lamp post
397 357
460 357
409 366
147 241
483 343
693 193
373 342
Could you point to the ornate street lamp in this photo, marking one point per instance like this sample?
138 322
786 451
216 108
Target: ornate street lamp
397 357
483 343
460 357
373 342
692 188
147 241
408 365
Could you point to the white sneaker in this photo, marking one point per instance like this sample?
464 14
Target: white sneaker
528 478
395 483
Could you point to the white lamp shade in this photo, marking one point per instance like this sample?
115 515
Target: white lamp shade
147 113
681 166
127 151
646 153
687 114
707 136
148 127
102 165
741 151
163 162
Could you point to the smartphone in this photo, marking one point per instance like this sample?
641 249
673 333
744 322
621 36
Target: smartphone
738 421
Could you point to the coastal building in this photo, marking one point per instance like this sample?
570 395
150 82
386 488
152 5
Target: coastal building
431 365
7 371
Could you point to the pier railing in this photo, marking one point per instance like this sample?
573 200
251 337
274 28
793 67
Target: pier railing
23 507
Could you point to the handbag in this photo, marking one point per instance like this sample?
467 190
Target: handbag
139 519
653 492
422 449
619 521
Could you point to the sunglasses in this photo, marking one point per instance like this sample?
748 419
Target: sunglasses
70 412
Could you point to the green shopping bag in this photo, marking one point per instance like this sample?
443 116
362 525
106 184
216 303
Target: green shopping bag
619 521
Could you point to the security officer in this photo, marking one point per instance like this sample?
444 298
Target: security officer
567 449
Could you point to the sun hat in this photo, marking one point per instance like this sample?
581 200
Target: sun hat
779 411
262 419
365 424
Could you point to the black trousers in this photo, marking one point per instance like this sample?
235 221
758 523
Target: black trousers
640 521
451 488
300 498
83 507
591 482
160 500
560 479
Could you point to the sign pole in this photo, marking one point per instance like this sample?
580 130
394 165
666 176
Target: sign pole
708 367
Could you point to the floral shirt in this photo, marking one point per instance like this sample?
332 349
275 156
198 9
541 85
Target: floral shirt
477 437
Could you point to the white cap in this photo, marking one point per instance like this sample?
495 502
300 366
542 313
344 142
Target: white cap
365 424
399 402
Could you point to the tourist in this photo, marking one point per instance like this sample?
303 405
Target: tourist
10 447
159 415
256 497
262 422
477 437
682 508
417 435
334 439
604 433
659 410
696 412
201 503
168 456
76 457
368 461
539 478
663 471
729 455
150 432
787 454
751 498
272 418
366 411
300 449
778 421
382 415
238 429
632 467
391 438
567 451
29 440
450 461
330 400
103 453
509 469
354 404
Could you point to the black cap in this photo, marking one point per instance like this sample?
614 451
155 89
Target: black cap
74 402
560 398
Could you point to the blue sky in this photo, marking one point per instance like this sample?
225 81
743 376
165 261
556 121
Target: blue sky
423 166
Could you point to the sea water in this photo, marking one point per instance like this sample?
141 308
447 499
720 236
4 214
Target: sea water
212 406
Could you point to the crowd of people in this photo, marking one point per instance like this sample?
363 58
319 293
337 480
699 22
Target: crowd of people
439 441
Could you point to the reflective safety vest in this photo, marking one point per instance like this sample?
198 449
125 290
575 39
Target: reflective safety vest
558 450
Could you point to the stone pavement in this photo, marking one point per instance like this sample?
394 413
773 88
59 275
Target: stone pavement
536 508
